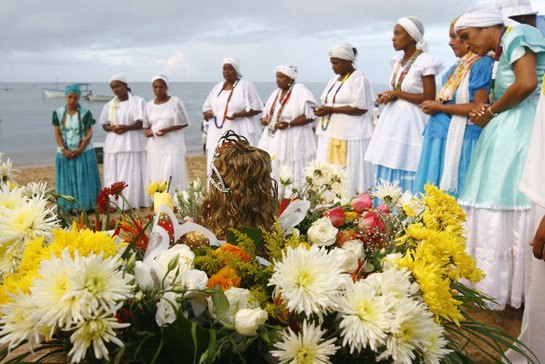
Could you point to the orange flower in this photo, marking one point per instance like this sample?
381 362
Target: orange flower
344 236
350 216
234 251
226 278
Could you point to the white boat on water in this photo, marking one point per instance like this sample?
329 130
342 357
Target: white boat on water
51 93
99 98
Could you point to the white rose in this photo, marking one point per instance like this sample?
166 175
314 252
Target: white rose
148 274
347 260
356 247
239 299
285 175
166 309
248 320
322 232
194 279
185 261
389 261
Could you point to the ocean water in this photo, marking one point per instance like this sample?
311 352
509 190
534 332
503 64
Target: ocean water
26 133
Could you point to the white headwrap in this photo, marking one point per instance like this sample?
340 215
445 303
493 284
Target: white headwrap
160 77
118 77
480 16
288 70
344 51
233 62
415 28
515 8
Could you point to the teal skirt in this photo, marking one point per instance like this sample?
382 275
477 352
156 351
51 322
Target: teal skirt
78 178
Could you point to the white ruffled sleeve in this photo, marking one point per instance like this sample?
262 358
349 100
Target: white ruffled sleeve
307 100
103 120
180 113
146 122
251 97
428 65
362 92
140 108
208 102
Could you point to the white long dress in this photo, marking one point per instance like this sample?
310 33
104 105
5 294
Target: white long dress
398 136
294 147
244 98
124 154
356 130
532 184
166 153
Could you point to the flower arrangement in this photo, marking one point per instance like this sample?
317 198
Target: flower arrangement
355 281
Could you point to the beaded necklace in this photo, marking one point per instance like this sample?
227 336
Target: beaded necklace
272 123
397 85
226 106
498 52
326 125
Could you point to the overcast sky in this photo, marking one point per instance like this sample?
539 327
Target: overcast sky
187 40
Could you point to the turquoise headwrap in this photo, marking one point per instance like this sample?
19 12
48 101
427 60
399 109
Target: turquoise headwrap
72 88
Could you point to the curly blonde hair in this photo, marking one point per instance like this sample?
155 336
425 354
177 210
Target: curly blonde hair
242 192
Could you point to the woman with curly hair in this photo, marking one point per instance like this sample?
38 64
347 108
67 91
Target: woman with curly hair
242 192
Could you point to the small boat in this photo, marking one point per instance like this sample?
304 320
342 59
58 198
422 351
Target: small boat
51 93
98 98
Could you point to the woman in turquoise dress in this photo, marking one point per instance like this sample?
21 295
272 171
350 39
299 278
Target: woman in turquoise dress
76 168
498 214
465 85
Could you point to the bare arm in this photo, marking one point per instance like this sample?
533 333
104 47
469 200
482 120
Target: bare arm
169 129
432 107
538 244
243 114
298 121
84 143
525 83
348 110
428 83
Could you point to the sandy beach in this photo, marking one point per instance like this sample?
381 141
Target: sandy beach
196 168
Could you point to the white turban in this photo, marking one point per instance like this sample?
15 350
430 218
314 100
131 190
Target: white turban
511 8
480 16
160 77
344 51
233 62
415 28
118 77
288 70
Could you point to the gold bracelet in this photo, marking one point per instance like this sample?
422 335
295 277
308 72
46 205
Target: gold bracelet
491 112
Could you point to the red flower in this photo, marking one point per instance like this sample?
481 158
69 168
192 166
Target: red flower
336 216
372 222
116 188
361 202
103 200
383 209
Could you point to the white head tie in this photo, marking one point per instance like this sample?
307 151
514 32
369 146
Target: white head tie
480 16
288 70
118 77
344 51
233 62
160 77
415 28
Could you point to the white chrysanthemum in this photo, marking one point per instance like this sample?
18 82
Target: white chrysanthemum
10 259
6 170
166 309
98 284
389 261
338 181
97 332
394 283
17 322
10 199
387 191
35 189
34 218
307 347
436 350
408 200
410 331
365 317
316 174
308 281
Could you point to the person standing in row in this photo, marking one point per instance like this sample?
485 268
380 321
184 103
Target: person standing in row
76 168
288 136
449 139
397 140
345 126
124 147
166 117
498 214
232 105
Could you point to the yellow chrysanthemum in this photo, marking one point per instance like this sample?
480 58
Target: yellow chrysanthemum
156 186
84 241
442 212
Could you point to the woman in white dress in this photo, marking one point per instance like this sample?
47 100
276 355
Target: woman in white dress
397 140
345 126
288 137
232 105
164 124
124 147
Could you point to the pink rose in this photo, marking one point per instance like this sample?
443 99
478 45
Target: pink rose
361 202
372 221
336 216
383 209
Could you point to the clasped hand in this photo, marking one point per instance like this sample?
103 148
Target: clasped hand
480 115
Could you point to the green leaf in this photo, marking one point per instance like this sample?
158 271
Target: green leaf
183 339
221 303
